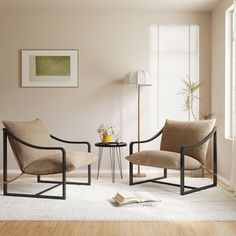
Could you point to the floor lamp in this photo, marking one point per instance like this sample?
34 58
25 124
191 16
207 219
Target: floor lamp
139 79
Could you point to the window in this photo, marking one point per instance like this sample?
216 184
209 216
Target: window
230 110
174 55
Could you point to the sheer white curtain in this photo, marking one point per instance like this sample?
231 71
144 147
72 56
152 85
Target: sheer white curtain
174 55
233 173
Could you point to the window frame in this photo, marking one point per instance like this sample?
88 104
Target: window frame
229 71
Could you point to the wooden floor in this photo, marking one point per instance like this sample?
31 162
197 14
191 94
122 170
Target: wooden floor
117 228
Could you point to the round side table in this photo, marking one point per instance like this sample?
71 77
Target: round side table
115 151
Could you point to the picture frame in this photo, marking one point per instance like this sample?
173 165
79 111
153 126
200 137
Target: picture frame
50 68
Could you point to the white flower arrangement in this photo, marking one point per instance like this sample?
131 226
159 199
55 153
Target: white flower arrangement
108 129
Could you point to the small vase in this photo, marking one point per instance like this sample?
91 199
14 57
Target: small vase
106 138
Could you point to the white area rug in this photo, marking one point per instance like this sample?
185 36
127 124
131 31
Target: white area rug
94 203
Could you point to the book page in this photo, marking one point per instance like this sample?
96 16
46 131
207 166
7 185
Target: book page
134 197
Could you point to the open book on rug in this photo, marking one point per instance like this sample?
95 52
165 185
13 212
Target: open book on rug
134 197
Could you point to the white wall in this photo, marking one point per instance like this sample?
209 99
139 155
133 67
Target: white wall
110 45
218 86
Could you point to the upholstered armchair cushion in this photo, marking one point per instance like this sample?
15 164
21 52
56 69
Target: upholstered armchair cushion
177 133
163 159
33 132
52 164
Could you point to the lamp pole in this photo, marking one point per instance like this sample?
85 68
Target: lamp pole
138 119
139 78
139 174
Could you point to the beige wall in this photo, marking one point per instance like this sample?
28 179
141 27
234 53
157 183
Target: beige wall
110 45
218 86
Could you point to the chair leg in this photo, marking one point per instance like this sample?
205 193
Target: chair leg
182 175
131 173
215 159
64 181
165 173
89 174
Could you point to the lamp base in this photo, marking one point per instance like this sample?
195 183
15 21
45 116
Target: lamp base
139 175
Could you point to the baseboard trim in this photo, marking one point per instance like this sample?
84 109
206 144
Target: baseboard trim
83 171
104 171
12 171
223 180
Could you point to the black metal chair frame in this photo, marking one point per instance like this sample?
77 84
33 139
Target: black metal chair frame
182 185
63 182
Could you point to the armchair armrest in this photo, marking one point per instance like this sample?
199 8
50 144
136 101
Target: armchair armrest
72 142
199 143
131 146
213 132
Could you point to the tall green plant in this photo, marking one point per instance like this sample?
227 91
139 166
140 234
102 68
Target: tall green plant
190 98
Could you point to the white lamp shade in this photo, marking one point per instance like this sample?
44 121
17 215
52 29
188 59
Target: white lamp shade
140 77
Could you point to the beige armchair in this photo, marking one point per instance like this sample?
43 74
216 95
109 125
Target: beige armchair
183 147
36 154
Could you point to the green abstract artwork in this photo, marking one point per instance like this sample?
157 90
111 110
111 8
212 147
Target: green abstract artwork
52 65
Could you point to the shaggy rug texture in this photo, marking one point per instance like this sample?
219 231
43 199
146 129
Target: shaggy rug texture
94 203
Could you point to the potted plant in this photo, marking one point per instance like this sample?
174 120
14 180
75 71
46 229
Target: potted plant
190 98
189 92
107 131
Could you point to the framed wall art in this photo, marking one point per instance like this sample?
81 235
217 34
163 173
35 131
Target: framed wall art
49 68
